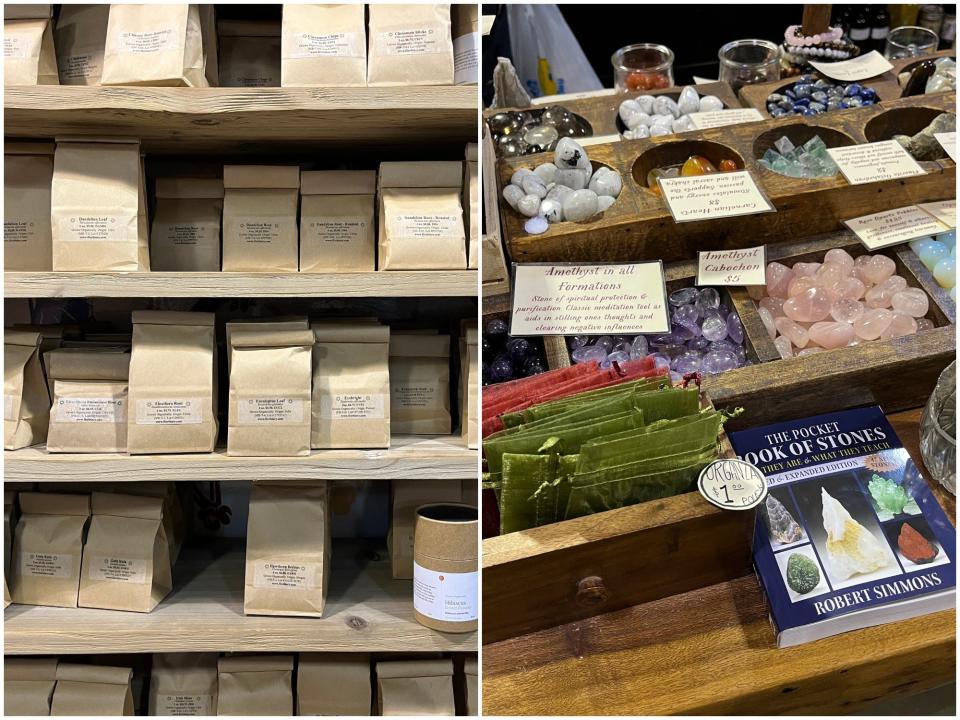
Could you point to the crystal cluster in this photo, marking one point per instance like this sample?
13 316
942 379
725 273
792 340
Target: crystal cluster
851 548
812 307
780 523
812 96
651 116
939 255
693 165
525 132
705 336
924 145
810 160
507 358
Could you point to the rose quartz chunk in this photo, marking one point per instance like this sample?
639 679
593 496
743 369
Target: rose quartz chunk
902 324
801 284
846 311
778 279
767 318
810 350
830 274
809 306
850 287
924 324
774 305
840 257
783 347
872 323
794 332
878 269
831 335
880 296
801 269
911 301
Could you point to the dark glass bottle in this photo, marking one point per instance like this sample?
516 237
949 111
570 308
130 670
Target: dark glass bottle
948 30
879 28
860 28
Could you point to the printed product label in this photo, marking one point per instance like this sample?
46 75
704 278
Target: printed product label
14 47
19 231
429 227
185 704
351 406
259 232
51 565
244 81
466 59
93 228
80 67
113 569
413 396
148 41
307 45
9 401
281 575
186 234
337 229
91 410
445 596
270 411
415 41
176 411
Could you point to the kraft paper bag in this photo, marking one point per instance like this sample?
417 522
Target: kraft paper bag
28 174
47 546
183 684
26 401
89 411
288 549
471 691
420 384
260 218
471 204
9 521
410 45
173 383
28 685
323 46
294 322
99 218
185 235
255 685
81 36
208 34
270 393
249 53
469 378
466 44
337 210
24 11
407 496
126 560
351 385
92 690
334 684
174 520
421 218
415 687
154 45
29 57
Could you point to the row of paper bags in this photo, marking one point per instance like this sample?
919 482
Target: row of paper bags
176 45
242 684
293 385
82 206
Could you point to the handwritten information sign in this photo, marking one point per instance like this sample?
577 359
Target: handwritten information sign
720 118
702 197
733 267
943 210
589 299
732 484
859 68
874 162
893 227
948 141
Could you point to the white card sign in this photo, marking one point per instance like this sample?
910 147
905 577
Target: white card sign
732 267
600 139
943 210
589 299
717 195
893 227
874 162
732 484
948 141
859 68
721 118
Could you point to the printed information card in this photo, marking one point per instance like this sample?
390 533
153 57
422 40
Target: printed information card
893 227
859 68
874 162
703 197
721 118
943 210
733 267
948 141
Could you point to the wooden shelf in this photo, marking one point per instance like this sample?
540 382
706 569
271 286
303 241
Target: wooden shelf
367 611
427 283
410 458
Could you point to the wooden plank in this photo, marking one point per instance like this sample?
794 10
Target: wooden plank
446 283
410 457
495 273
367 611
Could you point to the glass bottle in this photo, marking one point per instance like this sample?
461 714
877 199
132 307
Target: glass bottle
860 29
879 28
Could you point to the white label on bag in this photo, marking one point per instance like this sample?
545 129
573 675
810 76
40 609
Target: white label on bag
114 569
269 411
259 232
52 565
170 411
80 66
186 234
415 41
429 227
337 229
281 575
307 45
351 406
91 410
148 41
19 231
466 59
185 705
445 596
412 396
9 401
93 228
14 47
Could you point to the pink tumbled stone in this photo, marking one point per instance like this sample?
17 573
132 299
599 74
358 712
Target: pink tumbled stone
840 257
831 335
783 346
880 296
774 305
911 301
809 306
872 323
802 269
778 279
794 332
901 325
801 284
850 288
924 324
878 269
810 350
830 274
846 311
767 318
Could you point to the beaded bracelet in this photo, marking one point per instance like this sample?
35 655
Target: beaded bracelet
794 38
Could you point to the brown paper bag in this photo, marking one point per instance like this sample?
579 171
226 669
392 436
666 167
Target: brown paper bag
28 174
471 691
471 204
81 35
28 685
47 545
288 549
28 53
334 684
154 45
255 685
293 322
466 44
260 218
208 34
351 386
92 690
407 496
270 393
173 383
410 45
25 11
26 402
98 207
421 218
420 384
186 225
126 561
249 53
183 684
336 218
323 46
9 521
415 687
469 378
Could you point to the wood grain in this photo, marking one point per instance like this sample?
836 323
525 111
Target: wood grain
496 276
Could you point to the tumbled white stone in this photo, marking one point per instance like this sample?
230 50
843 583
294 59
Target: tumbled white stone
536 225
546 173
636 119
532 185
604 201
710 103
558 193
665 105
646 103
552 210
629 105
689 100
574 178
580 205
528 205
570 154
606 182
657 130
519 175
682 124
641 131
512 194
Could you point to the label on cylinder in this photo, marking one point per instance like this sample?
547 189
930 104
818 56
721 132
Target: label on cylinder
447 596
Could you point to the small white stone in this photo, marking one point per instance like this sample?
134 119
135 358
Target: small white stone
628 106
689 100
665 105
536 225
552 210
682 124
710 103
517 177
658 130
646 103
606 182
558 193
529 205
604 201
512 194
636 119
637 133
574 178
570 154
580 205
545 172
532 185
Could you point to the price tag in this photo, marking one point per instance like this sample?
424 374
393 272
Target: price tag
600 139
732 484
893 227
720 118
704 197
564 97
874 162
600 299
733 267
859 68
943 210
948 141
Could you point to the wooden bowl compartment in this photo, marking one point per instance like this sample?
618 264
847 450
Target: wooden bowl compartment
799 133
675 152
900 121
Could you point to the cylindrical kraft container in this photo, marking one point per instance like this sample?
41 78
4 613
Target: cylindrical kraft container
445 567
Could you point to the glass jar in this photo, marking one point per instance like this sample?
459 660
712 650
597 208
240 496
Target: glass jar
644 66
938 430
910 41
746 62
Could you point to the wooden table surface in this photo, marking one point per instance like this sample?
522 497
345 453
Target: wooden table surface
712 651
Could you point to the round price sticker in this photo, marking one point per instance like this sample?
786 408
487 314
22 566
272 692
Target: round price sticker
733 484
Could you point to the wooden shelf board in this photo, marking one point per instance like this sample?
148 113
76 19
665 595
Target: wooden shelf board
409 458
427 283
366 611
